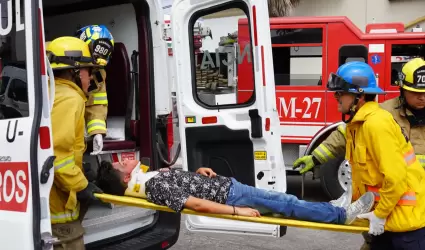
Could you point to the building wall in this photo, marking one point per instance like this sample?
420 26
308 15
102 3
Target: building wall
362 12
220 26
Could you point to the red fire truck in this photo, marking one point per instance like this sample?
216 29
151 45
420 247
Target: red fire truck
305 51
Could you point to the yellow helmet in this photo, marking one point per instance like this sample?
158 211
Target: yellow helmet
69 53
412 75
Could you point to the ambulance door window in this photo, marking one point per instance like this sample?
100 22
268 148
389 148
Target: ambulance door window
18 95
297 56
401 54
222 58
13 66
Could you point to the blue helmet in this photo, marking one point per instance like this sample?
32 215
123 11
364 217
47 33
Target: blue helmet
354 77
100 41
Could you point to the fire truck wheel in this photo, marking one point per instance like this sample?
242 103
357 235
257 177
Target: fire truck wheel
333 176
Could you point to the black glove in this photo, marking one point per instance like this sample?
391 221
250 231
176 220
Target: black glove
87 194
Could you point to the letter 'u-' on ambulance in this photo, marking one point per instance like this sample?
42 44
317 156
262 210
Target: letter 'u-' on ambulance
235 139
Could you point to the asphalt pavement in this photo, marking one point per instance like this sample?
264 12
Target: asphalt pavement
296 238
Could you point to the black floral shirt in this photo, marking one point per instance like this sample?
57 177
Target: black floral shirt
173 188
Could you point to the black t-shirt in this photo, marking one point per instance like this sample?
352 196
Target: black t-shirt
173 188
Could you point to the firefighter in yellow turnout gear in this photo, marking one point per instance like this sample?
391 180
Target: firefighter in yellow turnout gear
101 45
71 62
97 108
408 110
399 189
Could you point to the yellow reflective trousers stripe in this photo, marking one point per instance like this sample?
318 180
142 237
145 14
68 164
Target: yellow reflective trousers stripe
65 217
61 165
96 124
100 98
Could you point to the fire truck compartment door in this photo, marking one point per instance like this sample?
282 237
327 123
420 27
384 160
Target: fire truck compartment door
235 140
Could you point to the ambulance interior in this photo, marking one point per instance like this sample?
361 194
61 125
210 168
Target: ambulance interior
131 121
134 124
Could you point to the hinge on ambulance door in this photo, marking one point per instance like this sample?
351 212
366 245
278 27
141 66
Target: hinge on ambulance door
47 240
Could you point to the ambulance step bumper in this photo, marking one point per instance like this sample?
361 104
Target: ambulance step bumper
100 219
161 234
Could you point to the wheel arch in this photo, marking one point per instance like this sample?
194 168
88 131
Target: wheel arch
320 136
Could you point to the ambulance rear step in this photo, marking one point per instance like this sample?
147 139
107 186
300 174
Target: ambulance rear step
102 222
162 233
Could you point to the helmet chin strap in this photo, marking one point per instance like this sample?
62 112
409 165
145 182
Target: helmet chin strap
401 97
77 79
352 110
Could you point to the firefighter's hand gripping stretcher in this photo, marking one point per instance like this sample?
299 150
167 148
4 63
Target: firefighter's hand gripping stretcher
209 194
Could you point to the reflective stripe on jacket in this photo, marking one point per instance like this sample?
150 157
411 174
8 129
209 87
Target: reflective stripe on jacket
421 159
68 147
96 126
408 198
97 108
383 159
334 144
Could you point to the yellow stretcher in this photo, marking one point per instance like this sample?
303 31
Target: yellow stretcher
358 226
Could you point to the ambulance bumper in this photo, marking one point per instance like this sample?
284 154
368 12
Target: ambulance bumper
162 234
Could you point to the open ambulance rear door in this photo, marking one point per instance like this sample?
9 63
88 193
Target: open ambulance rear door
239 139
25 144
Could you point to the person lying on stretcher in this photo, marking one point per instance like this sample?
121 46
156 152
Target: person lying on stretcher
207 192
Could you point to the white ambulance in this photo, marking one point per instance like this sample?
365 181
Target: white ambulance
235 139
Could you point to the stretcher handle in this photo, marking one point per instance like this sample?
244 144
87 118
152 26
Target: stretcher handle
359 226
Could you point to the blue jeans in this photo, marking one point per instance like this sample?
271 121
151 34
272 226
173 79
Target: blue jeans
265 201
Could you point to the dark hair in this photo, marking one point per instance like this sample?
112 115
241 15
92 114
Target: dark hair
108 179
369 97
69 74
63 73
